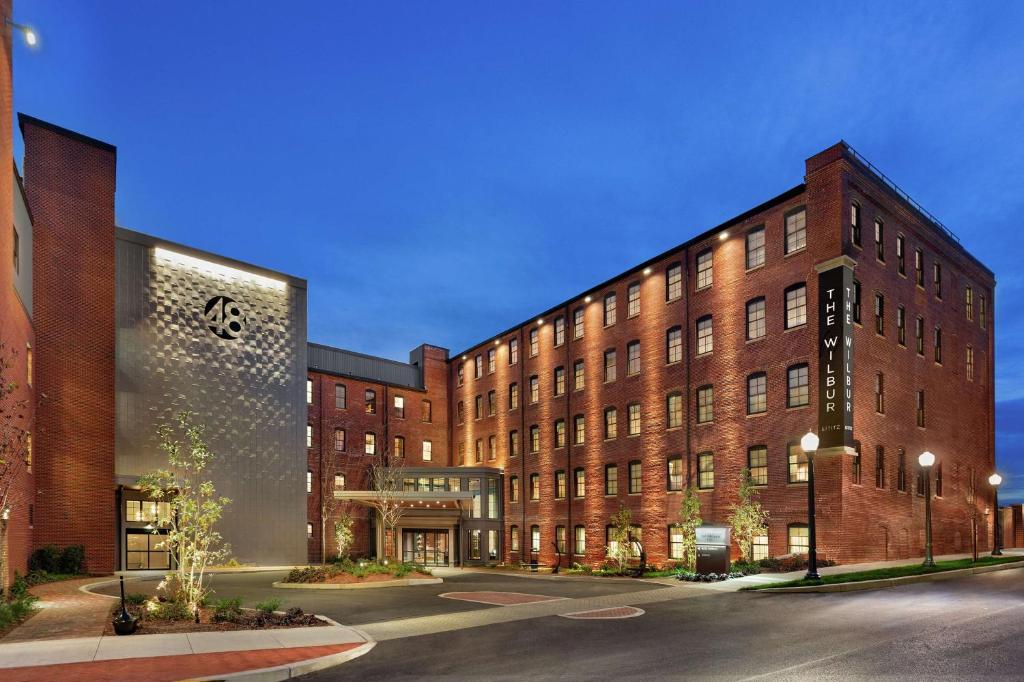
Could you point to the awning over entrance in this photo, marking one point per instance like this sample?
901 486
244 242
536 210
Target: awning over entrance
440 501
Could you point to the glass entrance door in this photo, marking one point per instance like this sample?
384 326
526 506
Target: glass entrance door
425 546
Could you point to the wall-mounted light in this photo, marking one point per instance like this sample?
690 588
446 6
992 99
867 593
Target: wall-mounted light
540 320
215 269
647 271
31 37
497 342
587 299
723 236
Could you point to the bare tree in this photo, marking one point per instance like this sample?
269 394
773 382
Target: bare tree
971 497
332 509
15 453
387 478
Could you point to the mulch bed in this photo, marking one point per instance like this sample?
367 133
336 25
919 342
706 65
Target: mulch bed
249 619
346 578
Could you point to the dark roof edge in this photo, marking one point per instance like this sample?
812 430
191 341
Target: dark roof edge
25 118
760 208
362 355
374 380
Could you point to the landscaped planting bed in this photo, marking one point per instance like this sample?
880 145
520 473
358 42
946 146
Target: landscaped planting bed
347 571
158 616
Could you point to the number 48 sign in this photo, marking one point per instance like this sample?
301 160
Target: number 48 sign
224 317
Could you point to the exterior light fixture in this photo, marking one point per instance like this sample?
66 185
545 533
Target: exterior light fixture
723 236
809 444
31 37
540 320
6 513
465 358
997 544
927 460
587 299
497 342
647 271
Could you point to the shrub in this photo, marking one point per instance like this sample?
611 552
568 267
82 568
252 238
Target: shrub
227 610
13 611
72 560
136 598
791 562
46 559
746 567
19 588
308 574
268 606
169 610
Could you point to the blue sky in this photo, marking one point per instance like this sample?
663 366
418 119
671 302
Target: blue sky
409 158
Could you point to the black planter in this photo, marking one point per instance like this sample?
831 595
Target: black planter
125 623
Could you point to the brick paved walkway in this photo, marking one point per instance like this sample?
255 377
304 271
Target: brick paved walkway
65 611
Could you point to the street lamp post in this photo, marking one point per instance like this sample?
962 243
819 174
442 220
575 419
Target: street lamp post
997 550
926 460
809 444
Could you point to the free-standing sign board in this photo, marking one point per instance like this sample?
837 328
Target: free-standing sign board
713 549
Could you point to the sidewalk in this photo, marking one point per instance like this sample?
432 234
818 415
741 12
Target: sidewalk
65 611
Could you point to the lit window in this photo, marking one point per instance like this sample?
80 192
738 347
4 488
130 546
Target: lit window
339 440
513 443
970 363
611 427
755 248
580 483
674 474
901 325
705 336
399 407
797 463
919 267
513 396
705 470
799 542
674 410
428 450
534 487
609 365
399 447
609 310
534 539
370 444
309 435
534 342
796 306
491 357
632 358
29 365
309 480
534 388
635 478
580 542
633 300
513 542
513 489
513 351
559 433
339 481
633 418
674 345
879 240
675 542
798 388
559 485
611 479
534 438
755 319
578 377
969 302
705 404
370 400
901 257
796 231
491 403
309 530
757 393
309 391
478 366
559 330
855 223
560 539
577 323
759 548
937 279
880 314
757 463
705 270
673 282
579 429
559 380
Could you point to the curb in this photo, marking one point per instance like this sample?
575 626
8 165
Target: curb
404 582
286 672
892 582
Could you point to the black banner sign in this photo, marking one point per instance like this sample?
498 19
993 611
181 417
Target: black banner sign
835 357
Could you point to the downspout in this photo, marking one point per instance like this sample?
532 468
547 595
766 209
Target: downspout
521 349
320 468
689 362
569 444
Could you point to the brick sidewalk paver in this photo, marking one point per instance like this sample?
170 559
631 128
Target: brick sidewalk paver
169 668
65 611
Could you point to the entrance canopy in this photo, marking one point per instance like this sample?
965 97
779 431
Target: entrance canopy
427 500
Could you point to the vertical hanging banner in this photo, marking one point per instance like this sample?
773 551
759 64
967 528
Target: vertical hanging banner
835 353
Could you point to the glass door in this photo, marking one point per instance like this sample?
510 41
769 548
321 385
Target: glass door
428 547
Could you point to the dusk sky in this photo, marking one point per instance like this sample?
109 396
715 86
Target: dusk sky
440 171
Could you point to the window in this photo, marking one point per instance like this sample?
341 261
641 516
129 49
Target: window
534 539
981 312
757 464
879 240
492 448
579 540
799 539
478 407
460 412
491 356
559 485
969 302
560 539
513 443
17 251
609 365
633 300
755 319
513 396
901 325
880 314
901 258
578 378
674 473
339 440
759 548
534 438
675 542
755 248
559 433
611 423
855 467
492 543
705 470
635 478
29 365
757 393
705 270
461 374
559 380
796 231
577 323
633 419
513 538
611 479
370 400
674 345
879 467
428 450
534 389
462 453
855 223
880 393
705 337
309 530
399 407
309 435
796 306
919 267
370 443
970 363
798 391
797 463
478 366
938 345
478 452
513 351
534 342
856 301
579 429
609 310
674 410
705 404
399 449
937 278
559 330
632 358
920 409
513 489
474 544
309 391
426 412
491 400
938 479
309 480
901 471
673 282
579 482
534 487
919 333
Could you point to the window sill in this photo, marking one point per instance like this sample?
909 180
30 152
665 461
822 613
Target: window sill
756 340
703 288
757 414
707 423
796 327
795 252
797 408
754 269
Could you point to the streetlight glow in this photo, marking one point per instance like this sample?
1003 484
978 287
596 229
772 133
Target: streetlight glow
809 443
995 479
926 459
30 37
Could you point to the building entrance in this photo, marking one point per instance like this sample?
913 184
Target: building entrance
425 546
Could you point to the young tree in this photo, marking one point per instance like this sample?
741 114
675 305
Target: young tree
689 521
971 498
15 453
387 478
748 518
619 549
343 535
331 462
195 509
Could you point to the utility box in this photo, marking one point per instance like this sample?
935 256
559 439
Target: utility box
713 544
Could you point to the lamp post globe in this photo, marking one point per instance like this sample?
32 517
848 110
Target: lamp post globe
926 460
997 527
809 444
